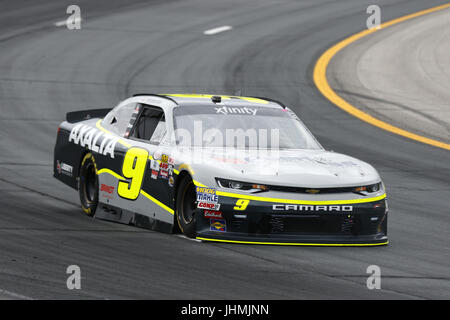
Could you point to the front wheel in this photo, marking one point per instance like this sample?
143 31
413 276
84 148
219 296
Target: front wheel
186 207
88 185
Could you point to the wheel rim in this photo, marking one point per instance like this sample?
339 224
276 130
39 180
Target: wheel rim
189 207
90 184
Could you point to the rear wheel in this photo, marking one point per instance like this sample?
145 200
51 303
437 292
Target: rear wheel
186 207
88 185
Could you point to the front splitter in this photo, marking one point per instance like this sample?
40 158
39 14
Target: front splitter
296 240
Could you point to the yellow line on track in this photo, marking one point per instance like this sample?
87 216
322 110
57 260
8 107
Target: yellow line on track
320 79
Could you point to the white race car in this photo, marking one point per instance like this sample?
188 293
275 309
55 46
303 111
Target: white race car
218 168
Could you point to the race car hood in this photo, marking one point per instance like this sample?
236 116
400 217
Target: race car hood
296 168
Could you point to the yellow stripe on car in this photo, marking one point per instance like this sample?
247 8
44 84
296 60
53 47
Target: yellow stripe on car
145 194
294 201
298 244
266 199
99 126
320 79
209 96
115 175
159 203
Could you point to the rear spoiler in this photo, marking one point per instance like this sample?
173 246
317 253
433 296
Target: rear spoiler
77 116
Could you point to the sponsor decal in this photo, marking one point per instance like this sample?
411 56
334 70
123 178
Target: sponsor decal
301 207
164 170
155 174
171 181
164 166
64 168
164 174
164 158
106 188
154 165
93 139
206 190
213 214
157 155
208 205
171 161
207 198
106 191
236 110
218 225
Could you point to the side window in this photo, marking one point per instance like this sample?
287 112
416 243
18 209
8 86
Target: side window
160 131
150 125
119 118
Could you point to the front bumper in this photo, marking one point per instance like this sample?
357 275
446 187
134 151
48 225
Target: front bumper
262 222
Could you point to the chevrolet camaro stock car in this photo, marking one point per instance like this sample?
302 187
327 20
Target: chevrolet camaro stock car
218 168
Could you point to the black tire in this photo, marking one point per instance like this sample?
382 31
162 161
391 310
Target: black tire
186 207
88 185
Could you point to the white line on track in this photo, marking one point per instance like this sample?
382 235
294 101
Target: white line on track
62 23
14 295
186 238
217 30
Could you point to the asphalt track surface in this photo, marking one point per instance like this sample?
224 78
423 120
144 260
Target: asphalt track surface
401 75
136 46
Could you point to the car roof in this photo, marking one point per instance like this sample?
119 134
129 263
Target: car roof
207 100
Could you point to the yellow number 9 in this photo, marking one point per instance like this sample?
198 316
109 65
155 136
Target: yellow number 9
133 168
241 204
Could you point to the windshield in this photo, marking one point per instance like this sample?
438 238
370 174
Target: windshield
241 127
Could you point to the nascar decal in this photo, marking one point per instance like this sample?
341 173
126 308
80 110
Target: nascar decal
218 225
207 198
295 207
93 139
